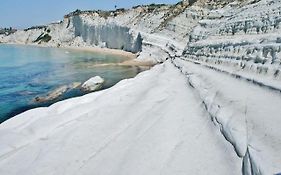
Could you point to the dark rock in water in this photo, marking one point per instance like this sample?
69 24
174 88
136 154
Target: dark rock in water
57 93
53 95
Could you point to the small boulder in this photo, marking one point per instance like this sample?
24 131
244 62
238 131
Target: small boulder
93 84
52 95
56 93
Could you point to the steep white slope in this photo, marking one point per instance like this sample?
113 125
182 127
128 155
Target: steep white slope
247 114
219 113
241 38
145 28
152 124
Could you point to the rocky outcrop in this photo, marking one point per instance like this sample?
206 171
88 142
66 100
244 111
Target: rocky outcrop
243 37
229 48
93 84
56 93
108 35
126 29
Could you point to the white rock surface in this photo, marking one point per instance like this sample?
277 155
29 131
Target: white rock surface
143 125
212 108
93 84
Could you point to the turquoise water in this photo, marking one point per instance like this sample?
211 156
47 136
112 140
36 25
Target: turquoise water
27 72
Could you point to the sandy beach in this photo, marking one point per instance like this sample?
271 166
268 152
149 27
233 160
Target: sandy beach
131 58
122 53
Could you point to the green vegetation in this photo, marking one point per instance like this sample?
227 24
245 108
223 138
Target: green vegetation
7 31
151 6
101 13
104 14
36 27
174 11
156 5
43 38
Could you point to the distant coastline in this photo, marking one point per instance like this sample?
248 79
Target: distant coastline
131 57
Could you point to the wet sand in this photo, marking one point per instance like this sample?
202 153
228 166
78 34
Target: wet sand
122 53
131 58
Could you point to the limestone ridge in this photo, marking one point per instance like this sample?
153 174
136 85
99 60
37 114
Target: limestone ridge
200 27
244 37
110 35
228 52
124 29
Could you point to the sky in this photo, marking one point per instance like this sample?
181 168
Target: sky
25 13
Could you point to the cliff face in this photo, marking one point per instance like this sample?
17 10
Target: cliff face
216 98
148 28
76 30
241 34
107 35
244 37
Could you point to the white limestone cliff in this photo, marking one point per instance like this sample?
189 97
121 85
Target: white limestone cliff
212 107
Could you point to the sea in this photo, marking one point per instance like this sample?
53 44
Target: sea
27 72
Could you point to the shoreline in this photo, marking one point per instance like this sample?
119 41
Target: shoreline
116 52
131 58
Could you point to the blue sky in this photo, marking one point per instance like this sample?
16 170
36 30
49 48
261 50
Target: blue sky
26 13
